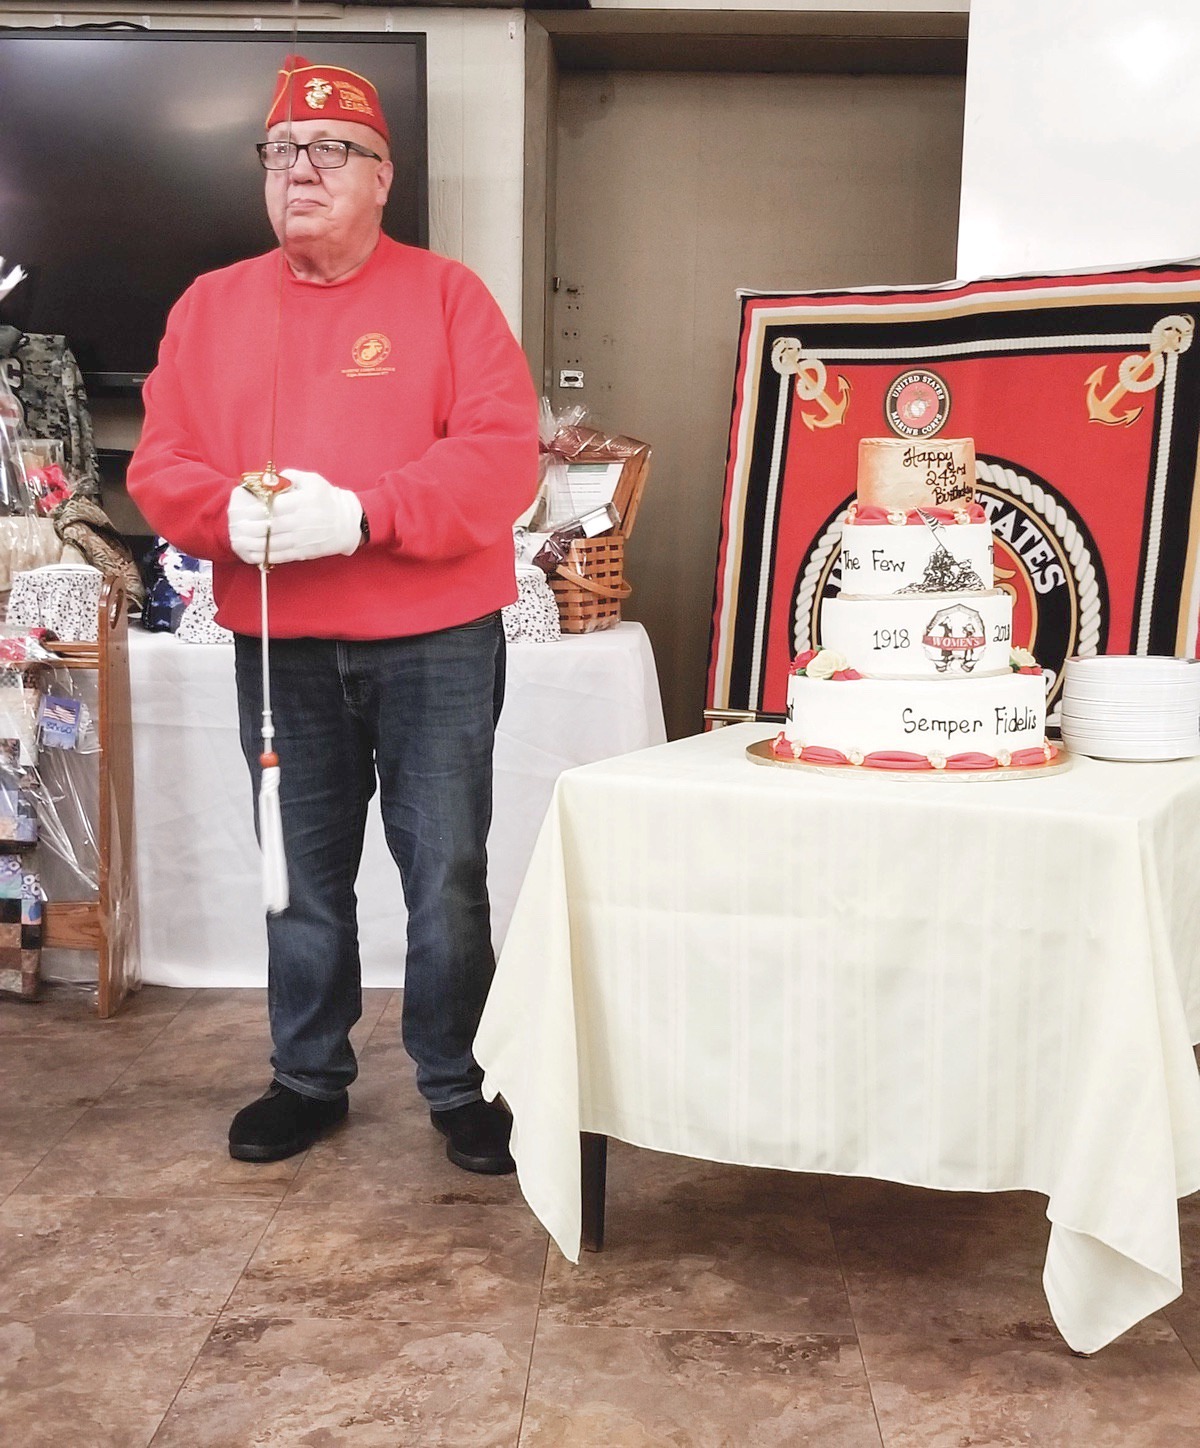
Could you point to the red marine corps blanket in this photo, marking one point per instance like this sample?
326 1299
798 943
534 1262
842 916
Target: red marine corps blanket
1082 393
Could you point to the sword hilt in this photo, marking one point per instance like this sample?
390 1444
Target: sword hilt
266 487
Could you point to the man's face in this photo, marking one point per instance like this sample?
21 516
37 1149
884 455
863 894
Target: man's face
329 207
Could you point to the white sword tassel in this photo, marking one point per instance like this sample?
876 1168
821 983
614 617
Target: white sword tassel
266 486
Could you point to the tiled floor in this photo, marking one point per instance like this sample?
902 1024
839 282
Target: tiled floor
152 1291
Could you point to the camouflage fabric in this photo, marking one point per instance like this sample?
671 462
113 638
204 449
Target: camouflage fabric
83 523
46 381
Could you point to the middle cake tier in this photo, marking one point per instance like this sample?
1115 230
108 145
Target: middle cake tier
929 552
923 635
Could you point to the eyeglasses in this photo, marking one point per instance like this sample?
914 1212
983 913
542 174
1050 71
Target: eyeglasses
325 155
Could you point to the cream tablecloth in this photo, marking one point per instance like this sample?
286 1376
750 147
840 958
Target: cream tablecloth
583 698
964 985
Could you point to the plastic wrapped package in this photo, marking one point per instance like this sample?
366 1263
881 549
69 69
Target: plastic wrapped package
26 541
54 404
49 806
591 489
49 780
556 431
86 854
48 483
67 796
567 446
20 700
20 927
20 906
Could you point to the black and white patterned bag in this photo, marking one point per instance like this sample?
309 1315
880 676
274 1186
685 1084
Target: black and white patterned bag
62 597
534 616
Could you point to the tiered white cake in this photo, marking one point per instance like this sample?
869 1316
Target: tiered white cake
917 668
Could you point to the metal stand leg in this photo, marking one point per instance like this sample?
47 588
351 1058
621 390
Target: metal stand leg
594 1163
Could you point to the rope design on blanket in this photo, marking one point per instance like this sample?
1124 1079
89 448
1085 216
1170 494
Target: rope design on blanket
1077 551
832 536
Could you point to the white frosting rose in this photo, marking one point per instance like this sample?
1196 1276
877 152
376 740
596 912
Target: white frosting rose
825 665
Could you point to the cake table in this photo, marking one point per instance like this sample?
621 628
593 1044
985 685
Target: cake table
958 988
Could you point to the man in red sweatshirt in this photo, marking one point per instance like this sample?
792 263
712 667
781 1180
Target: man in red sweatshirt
385 384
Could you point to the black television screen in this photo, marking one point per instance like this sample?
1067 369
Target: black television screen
127 167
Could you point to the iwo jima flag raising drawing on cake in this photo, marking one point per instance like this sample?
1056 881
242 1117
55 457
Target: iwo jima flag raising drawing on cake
1082 393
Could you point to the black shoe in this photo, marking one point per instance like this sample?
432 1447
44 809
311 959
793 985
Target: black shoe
477 1136
281 1123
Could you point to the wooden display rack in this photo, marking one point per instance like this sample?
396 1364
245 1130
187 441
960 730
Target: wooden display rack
108 924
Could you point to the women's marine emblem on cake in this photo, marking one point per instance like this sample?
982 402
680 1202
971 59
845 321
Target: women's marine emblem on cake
909 680
954 638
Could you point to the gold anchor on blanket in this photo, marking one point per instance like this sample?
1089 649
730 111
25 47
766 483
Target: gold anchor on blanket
1138 372
812 382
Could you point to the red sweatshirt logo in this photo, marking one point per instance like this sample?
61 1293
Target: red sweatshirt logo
371 350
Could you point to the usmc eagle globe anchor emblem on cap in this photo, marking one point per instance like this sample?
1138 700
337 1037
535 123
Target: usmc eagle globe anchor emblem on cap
317 92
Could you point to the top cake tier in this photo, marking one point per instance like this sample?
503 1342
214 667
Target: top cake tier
900 473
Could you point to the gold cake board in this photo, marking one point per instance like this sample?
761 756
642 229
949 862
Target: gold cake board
761 753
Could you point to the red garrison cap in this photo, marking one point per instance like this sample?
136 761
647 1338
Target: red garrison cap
306 92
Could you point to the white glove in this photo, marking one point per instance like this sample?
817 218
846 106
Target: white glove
313 519
247 526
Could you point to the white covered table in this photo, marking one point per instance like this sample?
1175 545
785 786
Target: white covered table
960 985
583 698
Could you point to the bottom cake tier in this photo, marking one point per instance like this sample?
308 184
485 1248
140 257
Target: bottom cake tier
977 723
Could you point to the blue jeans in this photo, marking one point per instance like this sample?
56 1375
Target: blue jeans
419 713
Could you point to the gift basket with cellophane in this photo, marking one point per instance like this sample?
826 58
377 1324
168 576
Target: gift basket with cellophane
48 783
590 486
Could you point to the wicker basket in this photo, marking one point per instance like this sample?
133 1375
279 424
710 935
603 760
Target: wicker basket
590 585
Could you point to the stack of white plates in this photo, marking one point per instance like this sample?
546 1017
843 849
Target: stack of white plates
1122 707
